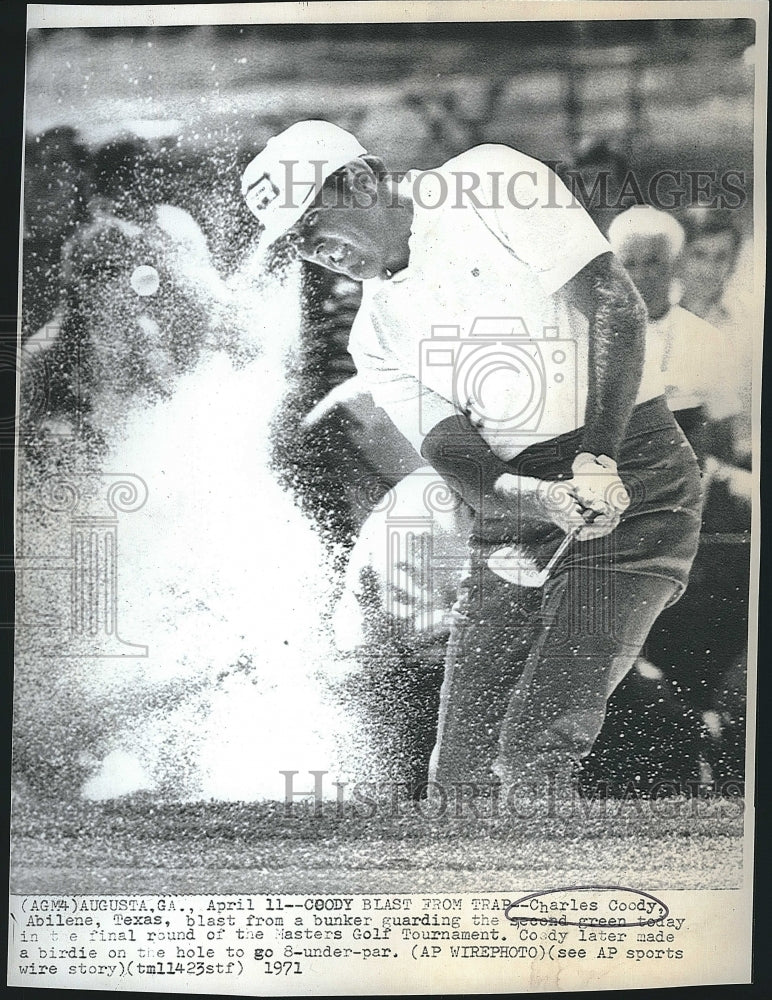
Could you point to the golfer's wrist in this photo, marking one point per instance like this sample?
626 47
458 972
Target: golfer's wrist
587 459
522 496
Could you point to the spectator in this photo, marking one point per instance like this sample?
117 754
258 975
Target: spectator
709 279
57 184
703 637
710 255
598 180
688 357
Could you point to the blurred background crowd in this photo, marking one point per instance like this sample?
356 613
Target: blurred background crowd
120 121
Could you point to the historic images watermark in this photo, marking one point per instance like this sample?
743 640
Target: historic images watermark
318 793
669 189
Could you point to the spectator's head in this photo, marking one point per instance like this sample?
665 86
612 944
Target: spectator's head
122 168
56 185
712 244
648 243
598 155
56 147
597 177
142 301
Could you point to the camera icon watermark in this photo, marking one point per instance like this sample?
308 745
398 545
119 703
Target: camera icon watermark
516 385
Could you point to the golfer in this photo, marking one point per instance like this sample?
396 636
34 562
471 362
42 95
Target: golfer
504 339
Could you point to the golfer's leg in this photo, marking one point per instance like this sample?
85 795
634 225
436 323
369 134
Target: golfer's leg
594 625
492 632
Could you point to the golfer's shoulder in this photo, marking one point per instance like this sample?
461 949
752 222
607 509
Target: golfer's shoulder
501 176
491 157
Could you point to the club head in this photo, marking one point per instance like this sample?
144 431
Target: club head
513 565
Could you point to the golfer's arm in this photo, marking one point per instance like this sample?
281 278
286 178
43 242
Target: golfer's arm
465 461
615 311
455 449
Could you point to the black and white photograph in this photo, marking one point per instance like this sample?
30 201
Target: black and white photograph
387 496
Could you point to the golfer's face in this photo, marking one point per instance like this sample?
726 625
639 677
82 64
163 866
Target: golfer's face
342 239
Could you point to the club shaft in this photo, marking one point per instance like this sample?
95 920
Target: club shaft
559 551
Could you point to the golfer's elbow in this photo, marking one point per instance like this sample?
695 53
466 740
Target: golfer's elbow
619 305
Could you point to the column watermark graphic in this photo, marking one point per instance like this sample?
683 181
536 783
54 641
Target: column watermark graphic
85 509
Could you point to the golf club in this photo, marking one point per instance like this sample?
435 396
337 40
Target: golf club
512 565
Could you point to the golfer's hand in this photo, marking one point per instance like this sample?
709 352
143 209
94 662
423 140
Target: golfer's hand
600 492
559 504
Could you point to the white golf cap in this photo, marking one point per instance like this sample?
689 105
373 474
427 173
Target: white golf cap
281 181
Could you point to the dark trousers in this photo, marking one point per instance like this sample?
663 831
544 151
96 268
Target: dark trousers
528 671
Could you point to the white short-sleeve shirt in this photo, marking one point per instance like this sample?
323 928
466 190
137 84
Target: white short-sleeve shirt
692 364
477 321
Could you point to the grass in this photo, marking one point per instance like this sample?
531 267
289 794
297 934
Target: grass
137 844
